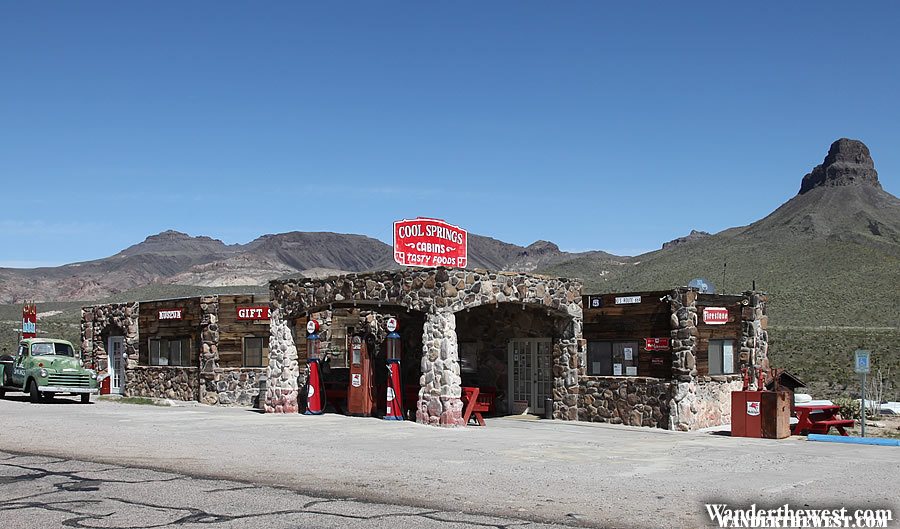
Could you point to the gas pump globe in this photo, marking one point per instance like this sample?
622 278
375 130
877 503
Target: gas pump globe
314 388
394 408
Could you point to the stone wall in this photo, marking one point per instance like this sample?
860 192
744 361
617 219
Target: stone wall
233 387
98 322
211 376
634 401
176 383
438 293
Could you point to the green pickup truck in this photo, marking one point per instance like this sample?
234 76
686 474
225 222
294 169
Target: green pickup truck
45 367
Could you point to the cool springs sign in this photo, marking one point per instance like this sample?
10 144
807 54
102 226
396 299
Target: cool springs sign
429 242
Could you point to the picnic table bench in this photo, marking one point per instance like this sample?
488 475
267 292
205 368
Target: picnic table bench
819 418
475 402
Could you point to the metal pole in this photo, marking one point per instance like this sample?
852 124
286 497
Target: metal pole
862 409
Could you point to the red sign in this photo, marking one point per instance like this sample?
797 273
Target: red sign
430 242
253 313
715 315
29 321
656 344
172 314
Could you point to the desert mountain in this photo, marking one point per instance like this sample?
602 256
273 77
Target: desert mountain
172 257
828 256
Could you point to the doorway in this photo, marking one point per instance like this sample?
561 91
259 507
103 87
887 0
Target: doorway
116 364
530 374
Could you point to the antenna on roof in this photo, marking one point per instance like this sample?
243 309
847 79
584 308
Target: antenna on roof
702 285
724 268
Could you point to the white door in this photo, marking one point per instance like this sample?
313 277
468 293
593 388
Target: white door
530 373
116 364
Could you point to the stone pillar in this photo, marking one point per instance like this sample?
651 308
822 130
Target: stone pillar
284 371
210 373
683 405
88 357
754 333
440 392
568 366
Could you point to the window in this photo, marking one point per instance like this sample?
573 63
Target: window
721 357
171 352
612 359
256 351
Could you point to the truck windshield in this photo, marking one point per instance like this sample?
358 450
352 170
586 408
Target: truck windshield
43 349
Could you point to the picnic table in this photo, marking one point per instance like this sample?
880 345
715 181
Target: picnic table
819 418
475 402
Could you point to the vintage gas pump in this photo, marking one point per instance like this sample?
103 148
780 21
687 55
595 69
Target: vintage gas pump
315 392
394 408
360 394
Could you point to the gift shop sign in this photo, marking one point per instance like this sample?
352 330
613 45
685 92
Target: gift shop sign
715 315
252 313
429 242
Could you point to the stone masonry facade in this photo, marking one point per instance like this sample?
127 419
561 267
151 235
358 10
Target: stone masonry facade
209 384
688 401
439 293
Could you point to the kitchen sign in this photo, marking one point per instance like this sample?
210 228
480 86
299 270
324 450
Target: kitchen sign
172 314
252 313
656 344
29 321
715 315
430 242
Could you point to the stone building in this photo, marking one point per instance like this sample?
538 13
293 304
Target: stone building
495 316
211 349
666 359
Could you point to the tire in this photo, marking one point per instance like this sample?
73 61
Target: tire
85 398
33 393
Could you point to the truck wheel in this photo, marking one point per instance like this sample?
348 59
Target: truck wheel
33 393
85 398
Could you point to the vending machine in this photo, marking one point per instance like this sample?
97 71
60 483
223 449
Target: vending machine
394 401
360 392
315 391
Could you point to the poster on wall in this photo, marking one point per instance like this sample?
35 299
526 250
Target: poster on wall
629 353
617 370
430 242
631 371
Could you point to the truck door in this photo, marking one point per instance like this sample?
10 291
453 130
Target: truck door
18 376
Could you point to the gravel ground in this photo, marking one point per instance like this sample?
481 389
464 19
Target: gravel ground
545 471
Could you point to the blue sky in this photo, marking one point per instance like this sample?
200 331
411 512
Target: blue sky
590 124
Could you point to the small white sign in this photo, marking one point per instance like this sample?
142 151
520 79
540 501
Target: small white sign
391 324
752 407
631 371
356 380
861 362
628 300
629 354
173 314
617 370
311 327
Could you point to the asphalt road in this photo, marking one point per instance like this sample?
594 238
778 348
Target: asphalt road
545 471
42 492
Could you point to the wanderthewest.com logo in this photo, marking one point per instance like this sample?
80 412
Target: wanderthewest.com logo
784 516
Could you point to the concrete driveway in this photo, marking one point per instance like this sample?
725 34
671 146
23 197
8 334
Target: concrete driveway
547 471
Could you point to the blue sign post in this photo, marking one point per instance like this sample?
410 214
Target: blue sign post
861 364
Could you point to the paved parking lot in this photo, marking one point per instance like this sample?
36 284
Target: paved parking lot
547 471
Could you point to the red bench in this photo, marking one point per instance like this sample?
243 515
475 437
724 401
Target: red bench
819 418
475 402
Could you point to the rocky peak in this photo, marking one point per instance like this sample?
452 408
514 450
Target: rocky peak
848 163
171 242
693 236
541 248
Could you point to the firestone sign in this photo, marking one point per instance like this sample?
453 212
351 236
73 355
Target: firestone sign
715 315
430 242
